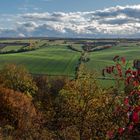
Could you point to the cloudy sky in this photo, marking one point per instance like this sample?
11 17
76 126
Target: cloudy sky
70 18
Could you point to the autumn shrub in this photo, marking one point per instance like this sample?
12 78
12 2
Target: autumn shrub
17 113
57 84
126 112
17 78
50 86
48 90
82 110
43 85
64 109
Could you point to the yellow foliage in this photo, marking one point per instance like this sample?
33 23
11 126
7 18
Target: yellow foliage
17 78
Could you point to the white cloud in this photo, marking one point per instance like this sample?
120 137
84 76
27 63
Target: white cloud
110 22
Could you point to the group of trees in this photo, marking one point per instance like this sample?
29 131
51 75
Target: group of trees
56 108
73 48
33 45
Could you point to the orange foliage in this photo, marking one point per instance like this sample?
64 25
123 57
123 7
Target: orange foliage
16 109
17 78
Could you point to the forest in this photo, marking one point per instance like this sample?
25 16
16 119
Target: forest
60 108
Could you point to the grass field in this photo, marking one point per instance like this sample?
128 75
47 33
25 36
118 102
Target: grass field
77 47
57 59
53 60
101 59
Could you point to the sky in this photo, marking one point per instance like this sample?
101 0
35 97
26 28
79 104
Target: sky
70 18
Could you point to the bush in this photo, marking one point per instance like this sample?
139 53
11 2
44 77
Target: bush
126 112
17 78
82 109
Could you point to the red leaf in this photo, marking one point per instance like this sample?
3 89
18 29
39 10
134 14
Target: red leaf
121 130
126 101
118 66
110 134
138 71
123 60
134 73
135 117
128 72
137 109
128 80
135 83
130 127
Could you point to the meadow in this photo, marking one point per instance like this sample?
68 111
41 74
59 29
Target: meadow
55 58
101 59
51 60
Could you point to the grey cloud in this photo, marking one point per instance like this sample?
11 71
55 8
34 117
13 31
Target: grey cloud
110 22
130 11
8 32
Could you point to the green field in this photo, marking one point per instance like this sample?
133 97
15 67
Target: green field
53 60
78 47
101 59
57 59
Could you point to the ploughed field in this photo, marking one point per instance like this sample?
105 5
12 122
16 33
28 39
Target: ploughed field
55 58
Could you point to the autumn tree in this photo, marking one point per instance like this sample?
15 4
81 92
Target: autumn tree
19 119
16 77
82 109
17 111
48 91
127 111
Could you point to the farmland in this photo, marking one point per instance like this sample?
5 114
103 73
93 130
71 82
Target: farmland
56 58
60 90
52 60
101 59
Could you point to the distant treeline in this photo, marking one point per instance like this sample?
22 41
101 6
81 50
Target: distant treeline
73 48
23 49
14 43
